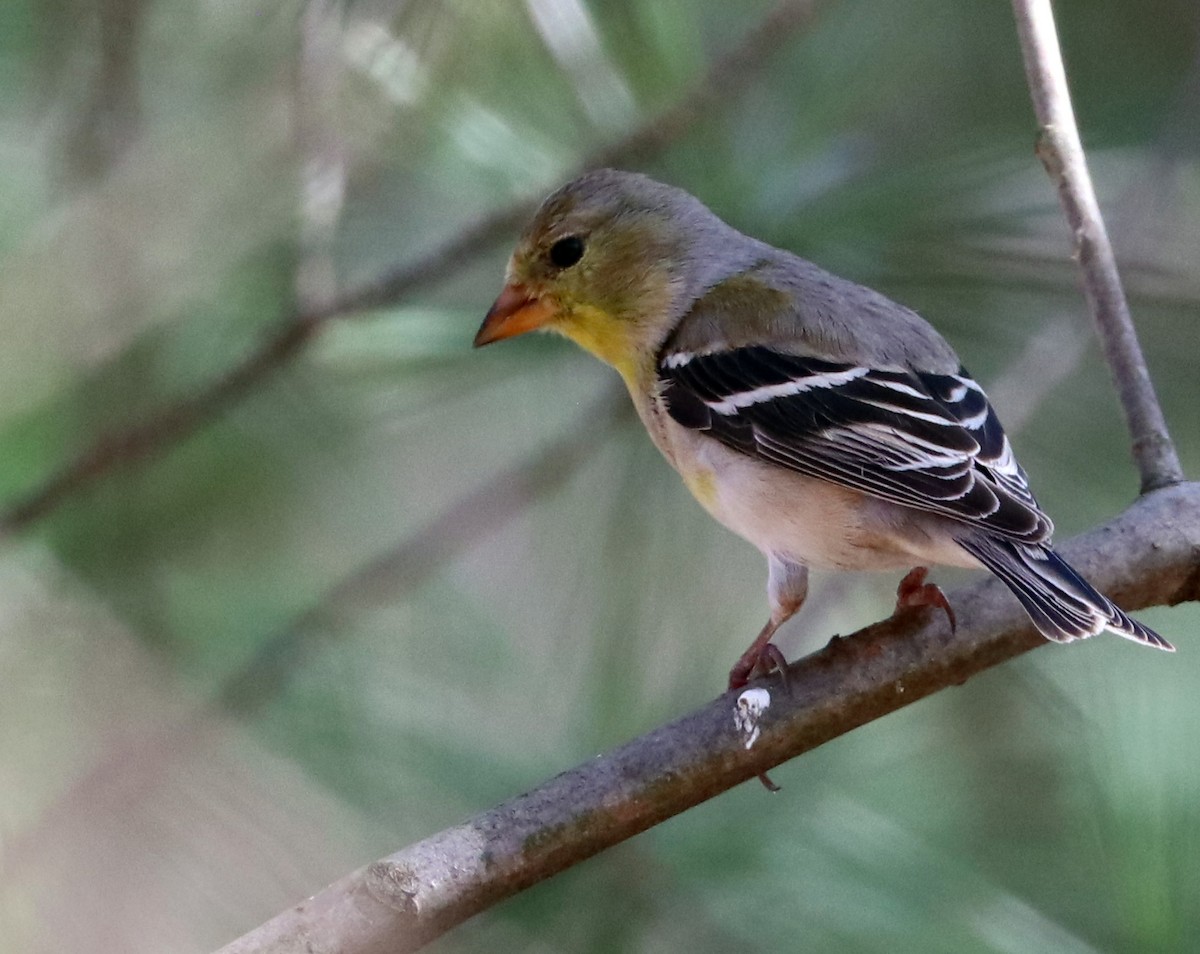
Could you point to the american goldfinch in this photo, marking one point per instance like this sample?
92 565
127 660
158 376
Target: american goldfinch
824 423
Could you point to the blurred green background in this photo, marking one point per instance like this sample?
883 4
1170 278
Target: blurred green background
401 581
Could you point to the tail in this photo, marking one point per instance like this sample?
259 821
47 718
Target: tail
1062 604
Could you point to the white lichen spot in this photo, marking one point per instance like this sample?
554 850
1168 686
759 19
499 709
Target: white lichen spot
749 708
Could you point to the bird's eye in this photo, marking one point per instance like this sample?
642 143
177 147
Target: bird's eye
566 251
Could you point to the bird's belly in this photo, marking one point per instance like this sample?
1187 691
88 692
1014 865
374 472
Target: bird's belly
810 521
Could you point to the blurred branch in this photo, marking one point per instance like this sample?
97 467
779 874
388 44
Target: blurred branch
1026 269
388 576
1048 358
1150 555
106 123
320 142
726 77
418 557
173 423
137 442
1061 152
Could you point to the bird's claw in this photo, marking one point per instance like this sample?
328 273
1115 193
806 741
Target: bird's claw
913 591
758 661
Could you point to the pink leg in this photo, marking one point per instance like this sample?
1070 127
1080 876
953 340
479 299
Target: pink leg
913 591
787 585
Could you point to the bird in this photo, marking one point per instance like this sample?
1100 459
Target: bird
823 422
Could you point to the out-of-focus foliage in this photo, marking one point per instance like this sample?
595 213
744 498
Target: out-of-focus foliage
207 710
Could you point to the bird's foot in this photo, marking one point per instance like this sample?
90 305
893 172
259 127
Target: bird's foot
760 659
913 591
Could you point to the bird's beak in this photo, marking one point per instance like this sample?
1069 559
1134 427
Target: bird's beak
515 312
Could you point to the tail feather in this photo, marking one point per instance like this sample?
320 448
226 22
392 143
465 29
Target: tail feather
1062 604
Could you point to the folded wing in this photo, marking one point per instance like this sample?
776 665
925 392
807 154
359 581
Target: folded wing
929 441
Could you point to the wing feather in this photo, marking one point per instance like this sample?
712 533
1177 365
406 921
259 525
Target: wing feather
929 441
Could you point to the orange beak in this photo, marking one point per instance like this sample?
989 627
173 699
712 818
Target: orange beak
513 313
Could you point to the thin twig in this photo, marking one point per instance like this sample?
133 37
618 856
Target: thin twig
1147 556
1061 152
137 442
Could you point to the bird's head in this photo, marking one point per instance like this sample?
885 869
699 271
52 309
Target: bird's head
608 261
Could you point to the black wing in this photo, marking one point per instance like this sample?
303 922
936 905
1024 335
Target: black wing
929 441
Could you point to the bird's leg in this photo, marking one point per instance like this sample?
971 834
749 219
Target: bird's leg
787 585
760 658
914 591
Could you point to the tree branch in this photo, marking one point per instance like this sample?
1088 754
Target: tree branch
1061 152
1150 555
138 442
